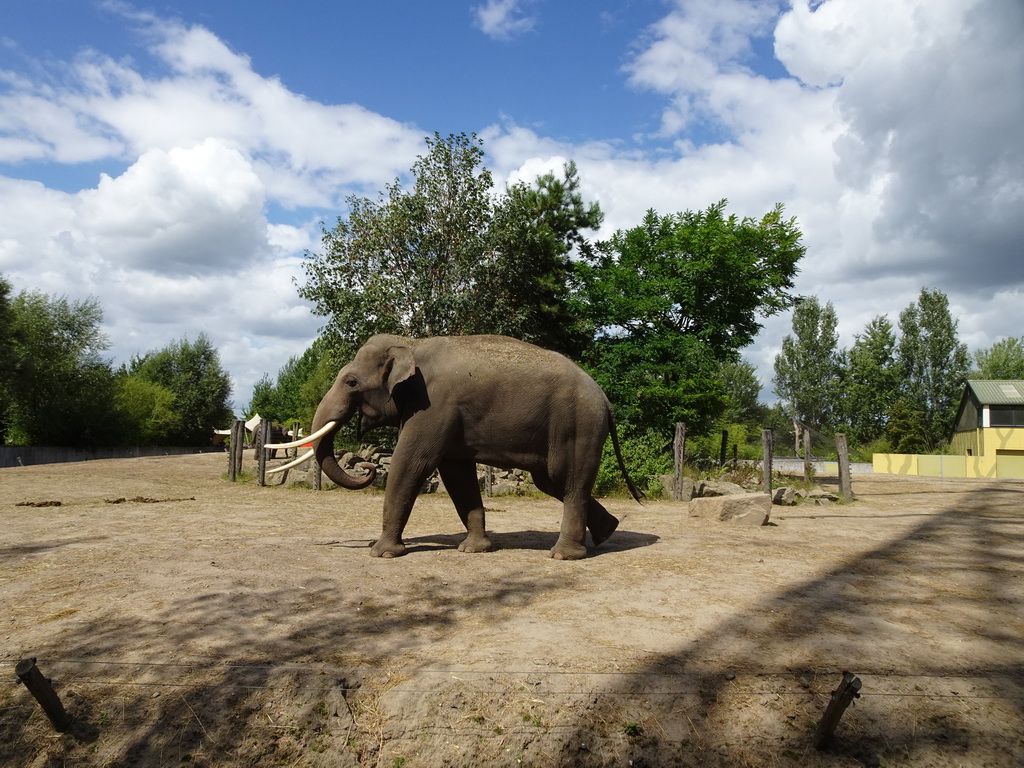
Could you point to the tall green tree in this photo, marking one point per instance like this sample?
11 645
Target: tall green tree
288 397
1003 360
62 391
8 358
522 287
201 388
872 380
933 362
450 256
807 371
673 298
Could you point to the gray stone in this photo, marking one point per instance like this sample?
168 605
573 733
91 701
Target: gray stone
748 509
785 497
719 488
688 487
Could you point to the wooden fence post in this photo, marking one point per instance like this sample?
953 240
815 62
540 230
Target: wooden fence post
318 475
235 449
767 438
845 483
678 459
807 454
261 453
295 436
842 697
488 480
41 688
724 448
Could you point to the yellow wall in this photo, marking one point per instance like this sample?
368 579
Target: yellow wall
997 452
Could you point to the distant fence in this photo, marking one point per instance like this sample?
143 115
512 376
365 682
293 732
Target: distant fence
27 455
998 466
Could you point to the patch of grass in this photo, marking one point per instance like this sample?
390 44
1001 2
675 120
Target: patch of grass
634 731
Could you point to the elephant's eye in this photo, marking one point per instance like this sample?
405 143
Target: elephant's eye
351 383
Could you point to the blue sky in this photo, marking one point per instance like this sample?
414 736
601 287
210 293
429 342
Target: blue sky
175 160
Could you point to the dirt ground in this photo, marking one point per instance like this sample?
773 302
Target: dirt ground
188 621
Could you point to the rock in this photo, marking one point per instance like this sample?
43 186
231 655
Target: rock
688 487
748 509
785 497
349 460
710 488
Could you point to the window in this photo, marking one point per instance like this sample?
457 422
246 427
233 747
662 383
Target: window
1006 415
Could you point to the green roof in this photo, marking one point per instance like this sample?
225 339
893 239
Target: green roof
997 392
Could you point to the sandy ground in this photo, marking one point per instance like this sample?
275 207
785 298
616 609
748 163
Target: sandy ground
198 622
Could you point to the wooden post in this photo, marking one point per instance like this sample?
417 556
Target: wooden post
231 451
488 480
845 484
261 453
842 697
807 454
724 448
235 449
41 688
318 476
295 436
767 438
678 459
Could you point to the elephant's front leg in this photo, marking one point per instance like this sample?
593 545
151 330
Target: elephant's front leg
461 483
405 478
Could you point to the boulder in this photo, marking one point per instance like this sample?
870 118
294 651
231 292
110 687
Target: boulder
710 488
688 487
748 509
785 497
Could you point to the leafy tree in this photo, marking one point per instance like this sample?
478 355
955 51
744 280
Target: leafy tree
743 390
148 410
8 359
449 257
404 263
522 287
62 390
288 398
1003 360
807 371
676 296
933 362
872 380
201 388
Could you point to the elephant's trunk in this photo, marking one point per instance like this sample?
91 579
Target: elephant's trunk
324 448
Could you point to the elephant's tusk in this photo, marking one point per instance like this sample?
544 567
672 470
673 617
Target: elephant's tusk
304 457
303 440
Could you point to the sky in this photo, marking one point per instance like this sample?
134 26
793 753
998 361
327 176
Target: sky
176 161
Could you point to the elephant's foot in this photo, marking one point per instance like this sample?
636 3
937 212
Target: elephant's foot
600 532
381 548
566 550
476 544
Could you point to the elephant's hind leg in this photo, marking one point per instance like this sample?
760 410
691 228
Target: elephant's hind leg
600 521
461 483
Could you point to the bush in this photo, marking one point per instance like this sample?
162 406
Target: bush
646 459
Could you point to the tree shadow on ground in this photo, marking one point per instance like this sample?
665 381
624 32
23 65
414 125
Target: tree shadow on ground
954 688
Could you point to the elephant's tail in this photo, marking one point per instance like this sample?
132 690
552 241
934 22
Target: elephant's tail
633 490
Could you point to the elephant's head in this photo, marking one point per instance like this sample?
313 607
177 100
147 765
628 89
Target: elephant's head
365 387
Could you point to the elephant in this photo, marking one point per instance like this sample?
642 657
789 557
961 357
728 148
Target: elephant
463 400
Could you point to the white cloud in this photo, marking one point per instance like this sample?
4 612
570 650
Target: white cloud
503 19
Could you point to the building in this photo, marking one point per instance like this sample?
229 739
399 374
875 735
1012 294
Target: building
987 441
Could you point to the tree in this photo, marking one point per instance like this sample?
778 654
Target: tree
871 380
807 371
743 390
449 257
201 388
523 286
62 389
148 410
1003 360
933 362
673 298
8 359
289 397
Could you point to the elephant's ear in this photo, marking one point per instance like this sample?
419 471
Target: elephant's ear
401 364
